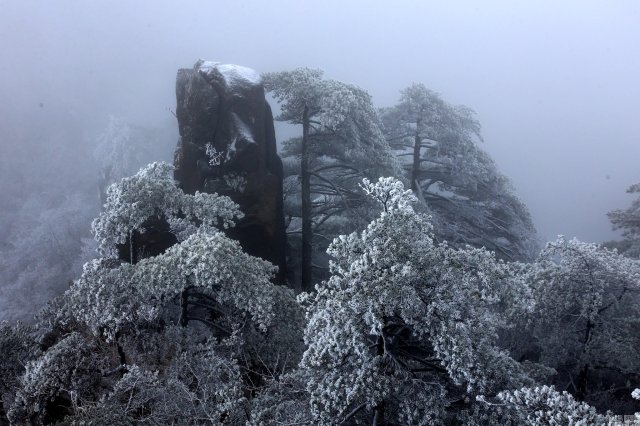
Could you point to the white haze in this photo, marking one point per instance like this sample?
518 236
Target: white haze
555 84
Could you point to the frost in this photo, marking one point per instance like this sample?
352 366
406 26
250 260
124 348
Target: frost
165 339
544 405
587 313
152 193
215 156
244 133
402 321
233 74
470 201
243 129
235 182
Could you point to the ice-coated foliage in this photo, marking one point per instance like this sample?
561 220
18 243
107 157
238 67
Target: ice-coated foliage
107 298
174 378
284 400
586 316
390 193
345 127
341 143
406 329
48 200
178 337
280 348
543 405
197 387
152 193
470 201
404 326
328 100
112 295
628 220
52 382
17 348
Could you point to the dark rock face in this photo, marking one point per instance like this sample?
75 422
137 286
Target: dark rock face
227 145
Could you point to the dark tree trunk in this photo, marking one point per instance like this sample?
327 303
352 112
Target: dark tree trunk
184 306
415 168
378 414
307 233
583 376
103 184
133 247
121 355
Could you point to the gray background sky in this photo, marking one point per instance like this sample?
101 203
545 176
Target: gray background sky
556 84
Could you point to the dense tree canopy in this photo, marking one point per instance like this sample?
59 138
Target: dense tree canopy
405 327
406 330
586 319
431 311
192 324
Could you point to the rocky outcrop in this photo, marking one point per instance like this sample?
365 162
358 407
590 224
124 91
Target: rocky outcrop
227 145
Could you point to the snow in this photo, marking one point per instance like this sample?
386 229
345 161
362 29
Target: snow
243 129
244 132
232 74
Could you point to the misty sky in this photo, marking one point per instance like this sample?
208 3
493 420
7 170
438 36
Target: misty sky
555 84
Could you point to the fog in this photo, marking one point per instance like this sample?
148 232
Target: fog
554 84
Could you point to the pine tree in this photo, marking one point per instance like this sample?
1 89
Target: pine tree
405 327
341 142
471 202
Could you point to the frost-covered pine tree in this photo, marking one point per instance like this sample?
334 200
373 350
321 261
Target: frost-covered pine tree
404 331
204 263
470 200
628 220
341 142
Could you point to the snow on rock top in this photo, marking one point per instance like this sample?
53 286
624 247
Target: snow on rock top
232 74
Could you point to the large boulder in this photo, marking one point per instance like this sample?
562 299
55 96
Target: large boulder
227 145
